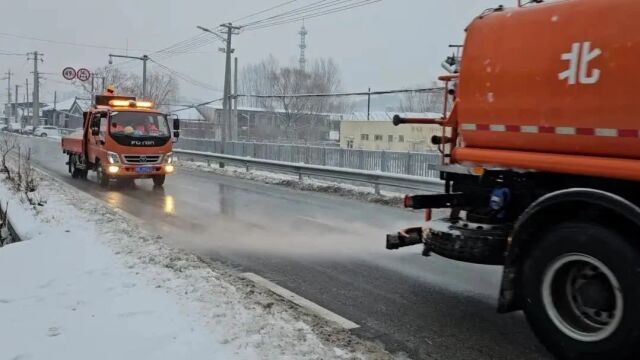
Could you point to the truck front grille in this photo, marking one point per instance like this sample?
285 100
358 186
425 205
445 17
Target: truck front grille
142 159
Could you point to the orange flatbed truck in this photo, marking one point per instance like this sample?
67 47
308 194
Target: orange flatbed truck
541 164
122 138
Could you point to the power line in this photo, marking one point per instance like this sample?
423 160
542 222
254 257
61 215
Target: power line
187 45
68 43
366 93
197 105
265 10
309 10
303 8
178 44
182 47
185 77
10 53
363 93
325 12
185 48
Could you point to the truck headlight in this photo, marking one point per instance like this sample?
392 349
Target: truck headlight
113 158
168 158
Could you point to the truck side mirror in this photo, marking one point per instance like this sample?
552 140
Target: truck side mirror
95 127
176 126
95 124
176 123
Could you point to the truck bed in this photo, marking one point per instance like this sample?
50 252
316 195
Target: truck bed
72 143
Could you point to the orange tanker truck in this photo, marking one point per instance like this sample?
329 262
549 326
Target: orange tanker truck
122 138
541 164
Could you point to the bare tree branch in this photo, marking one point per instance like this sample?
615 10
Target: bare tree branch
299 118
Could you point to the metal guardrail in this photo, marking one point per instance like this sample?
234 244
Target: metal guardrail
375 178
395 162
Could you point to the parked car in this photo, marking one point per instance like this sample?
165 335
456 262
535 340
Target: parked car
46 131
14 127
27 130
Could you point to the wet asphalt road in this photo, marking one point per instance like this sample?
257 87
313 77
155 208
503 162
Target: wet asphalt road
329 250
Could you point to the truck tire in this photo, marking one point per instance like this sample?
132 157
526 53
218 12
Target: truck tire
75 172
580 292
103 179
158 180
43 135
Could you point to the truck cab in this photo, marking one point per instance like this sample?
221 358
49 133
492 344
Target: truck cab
123 138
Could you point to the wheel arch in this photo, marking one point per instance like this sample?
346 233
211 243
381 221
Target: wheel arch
554 208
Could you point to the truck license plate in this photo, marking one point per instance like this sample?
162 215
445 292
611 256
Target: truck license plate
144 169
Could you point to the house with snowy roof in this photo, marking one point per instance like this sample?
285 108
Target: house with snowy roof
66 114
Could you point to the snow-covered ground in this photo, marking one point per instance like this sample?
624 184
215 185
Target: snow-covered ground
364 193
88 283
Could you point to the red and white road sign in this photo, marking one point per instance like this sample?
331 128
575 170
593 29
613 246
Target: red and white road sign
69 73
83 74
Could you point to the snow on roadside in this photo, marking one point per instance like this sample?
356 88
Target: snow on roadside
90 284
64 295
365 193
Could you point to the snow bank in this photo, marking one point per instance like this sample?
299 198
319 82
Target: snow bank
90 284
65 295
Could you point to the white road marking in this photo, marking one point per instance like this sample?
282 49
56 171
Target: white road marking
302 302
325 223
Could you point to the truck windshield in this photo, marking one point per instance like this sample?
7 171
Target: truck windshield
139 124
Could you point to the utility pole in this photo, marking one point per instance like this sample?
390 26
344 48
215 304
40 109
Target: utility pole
234 123
27 101
226 105
144 59
55 103
227 74
36 89
101 77
16 105
8 78
93 92
369 105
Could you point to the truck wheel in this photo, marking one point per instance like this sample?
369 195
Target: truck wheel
75 172
103 179
43 135
580 293
158 180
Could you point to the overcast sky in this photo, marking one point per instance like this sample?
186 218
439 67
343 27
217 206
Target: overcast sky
390 44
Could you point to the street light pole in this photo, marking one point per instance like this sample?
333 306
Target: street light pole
144 59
